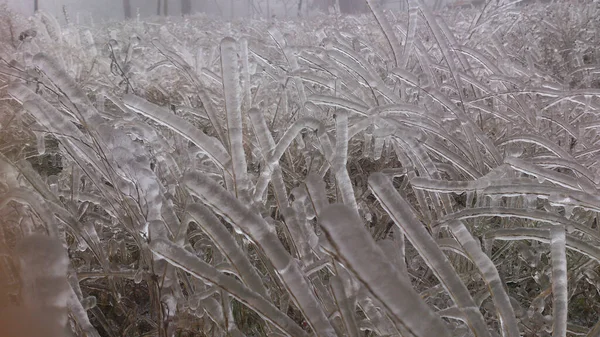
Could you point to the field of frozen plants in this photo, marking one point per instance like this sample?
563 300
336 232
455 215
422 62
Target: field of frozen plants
417 173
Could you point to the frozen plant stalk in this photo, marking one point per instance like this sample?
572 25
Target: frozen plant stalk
559 281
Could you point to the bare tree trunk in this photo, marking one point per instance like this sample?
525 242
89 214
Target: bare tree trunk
158 7
165 7
36 5
127 8
300 8
186 7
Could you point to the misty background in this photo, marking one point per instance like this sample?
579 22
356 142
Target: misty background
91 11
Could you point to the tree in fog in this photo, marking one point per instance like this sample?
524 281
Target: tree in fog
346 6
352 6
127 8
186 7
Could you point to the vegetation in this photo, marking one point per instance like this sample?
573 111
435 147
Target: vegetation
390 174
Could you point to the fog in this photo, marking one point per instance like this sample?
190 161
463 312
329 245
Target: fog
92 11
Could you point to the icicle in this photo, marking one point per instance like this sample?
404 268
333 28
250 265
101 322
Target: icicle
41 142
137 277
89 303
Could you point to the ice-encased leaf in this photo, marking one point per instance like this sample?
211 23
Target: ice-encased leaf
56 122
340 161
413 12
213 116
228 246
357 250
266 143
291 59
87 114
543 235
316 192
255 228
339 103
522 213
345 305
209 144
556 195
233 106
550 175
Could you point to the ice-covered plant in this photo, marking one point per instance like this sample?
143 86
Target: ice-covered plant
393 174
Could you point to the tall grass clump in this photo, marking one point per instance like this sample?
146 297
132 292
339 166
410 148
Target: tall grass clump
392 174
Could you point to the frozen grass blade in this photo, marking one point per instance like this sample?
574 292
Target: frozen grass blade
340 161
543 235
522 213
345 305
387 30
228 246
401 213
358 252
185 260
490 275
272 169
413 16
493 105
213 117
